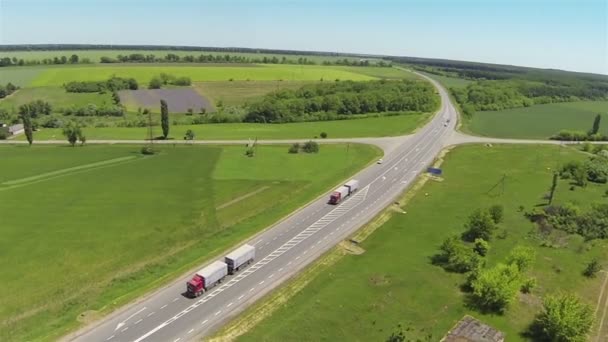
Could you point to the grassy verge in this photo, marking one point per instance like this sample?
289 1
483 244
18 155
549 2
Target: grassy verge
116 230
364 297
367 127
539 121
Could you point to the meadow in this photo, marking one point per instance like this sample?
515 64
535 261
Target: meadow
236 93
56 96
106 224
539 121
365 297
354 128
449 82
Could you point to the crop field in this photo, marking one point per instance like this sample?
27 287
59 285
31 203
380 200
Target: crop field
540 121
365 297
94 55
380 72
21 76
236 93
179 100
116 224
367 127
143 73
56 96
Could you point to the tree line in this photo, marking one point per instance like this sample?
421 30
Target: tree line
165 79
112 84
8 89
339 100
57 60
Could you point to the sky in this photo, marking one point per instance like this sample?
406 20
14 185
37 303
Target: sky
562 34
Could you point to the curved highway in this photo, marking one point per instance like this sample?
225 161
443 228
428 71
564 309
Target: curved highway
282 250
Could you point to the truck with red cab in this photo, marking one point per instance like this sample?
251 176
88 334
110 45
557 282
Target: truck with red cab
344 191
206 278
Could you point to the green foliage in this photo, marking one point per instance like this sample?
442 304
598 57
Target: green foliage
597 169
592 269
596 125
112 84
528 285
522 257
7 90
323 135
94 110
155 83
553 187
496 212
310 147
72 132
481 247
35 108
495 288
147 150
330 101
480 225
164 118
455 256
294 148
592 224
189 135
27 125
565 318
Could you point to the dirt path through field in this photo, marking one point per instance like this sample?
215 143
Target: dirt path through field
240 198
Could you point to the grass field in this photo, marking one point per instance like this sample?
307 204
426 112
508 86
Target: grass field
237 93
143 73
540 121
56 96
367 127
380 72
94 55
449 82
21 76
105 224
364 297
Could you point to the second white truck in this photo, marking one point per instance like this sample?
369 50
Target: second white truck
240 257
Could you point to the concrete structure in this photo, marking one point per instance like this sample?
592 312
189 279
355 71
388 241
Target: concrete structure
15 129
470 329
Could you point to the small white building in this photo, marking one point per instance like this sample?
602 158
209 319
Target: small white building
15 129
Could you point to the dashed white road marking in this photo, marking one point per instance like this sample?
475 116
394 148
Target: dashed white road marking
219 312
251 289
289 263
164 306
177 339
109 338
136 323
190 332
270 276
125 329
175 299
262 282
229 305
205 321
241 297
280 269
150 314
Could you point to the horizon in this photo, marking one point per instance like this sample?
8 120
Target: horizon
565 35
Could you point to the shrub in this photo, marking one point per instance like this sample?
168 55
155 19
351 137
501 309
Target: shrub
295 148
310 147
495 288
522 257
323 135
147 150
564 318
497 212
480 225
455 256
528 285
155 83
592 269
481 247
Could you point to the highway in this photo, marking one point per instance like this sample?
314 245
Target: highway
282 250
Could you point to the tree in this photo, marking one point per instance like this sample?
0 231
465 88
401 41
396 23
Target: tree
522 257
455 256
155 83
596 125
295 148
481 247
495 288
310 147
189 135
564 318
480 225
323 135
164 118
27 126
553 187
74 59
497 212
592 269
72 131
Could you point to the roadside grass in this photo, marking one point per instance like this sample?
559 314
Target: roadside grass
21 76
56 96
539 121
364 297
238 93
101 237
366 127
144 72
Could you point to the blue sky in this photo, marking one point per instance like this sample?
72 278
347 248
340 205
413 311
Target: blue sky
564 34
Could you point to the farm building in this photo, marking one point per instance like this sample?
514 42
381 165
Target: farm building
15 129
469 329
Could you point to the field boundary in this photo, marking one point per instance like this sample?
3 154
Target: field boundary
240 198
603 295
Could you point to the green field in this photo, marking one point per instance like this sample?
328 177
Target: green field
449 82
539 121
143 73
21 76
238 93
56 96
367 127
89 228
364 297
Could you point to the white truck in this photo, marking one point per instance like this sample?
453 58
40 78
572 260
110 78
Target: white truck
242 256
344 191
206 278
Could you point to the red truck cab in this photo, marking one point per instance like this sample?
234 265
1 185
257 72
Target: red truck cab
335 197
196 286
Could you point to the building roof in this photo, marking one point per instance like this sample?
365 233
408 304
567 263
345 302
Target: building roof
470 329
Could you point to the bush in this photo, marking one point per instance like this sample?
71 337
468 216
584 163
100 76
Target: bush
528 285
495 288
323 135
497 212
522 257
455 256
481 247
480 225
564 318
592 269
155 83
295 148
147 150
310 147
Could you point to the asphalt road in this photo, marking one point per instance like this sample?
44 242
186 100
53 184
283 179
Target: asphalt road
282 250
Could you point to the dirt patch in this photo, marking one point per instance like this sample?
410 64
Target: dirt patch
351 248
89 316
240 198
178 100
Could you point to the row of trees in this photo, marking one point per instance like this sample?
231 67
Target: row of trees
112 84
8 89
591 135
592 224
343 99
165 79
73 59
